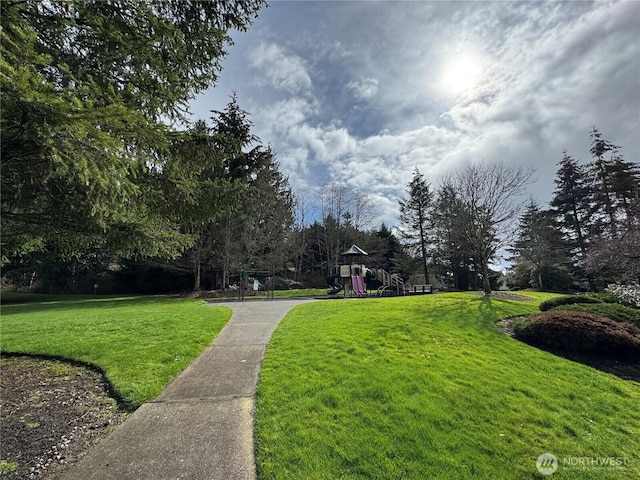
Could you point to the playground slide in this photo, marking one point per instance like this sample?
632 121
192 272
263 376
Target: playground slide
358 285
363 285
334 288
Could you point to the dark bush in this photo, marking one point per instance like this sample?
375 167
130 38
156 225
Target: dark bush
556 279
614 311
568 300
580 332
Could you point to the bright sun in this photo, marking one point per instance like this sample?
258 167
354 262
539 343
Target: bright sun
460 74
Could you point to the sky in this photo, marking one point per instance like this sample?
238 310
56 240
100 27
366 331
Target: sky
365 92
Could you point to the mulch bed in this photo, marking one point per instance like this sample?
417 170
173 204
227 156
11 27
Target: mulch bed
51 412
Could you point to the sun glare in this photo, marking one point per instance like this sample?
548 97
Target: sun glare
460 74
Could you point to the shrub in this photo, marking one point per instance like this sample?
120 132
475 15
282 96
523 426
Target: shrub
580 332
626 294
614 311
604 297
568 300
522 328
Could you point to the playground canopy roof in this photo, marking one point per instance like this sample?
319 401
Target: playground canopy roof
353 251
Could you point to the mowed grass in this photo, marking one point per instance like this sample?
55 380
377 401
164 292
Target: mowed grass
428 387
262 295
140 343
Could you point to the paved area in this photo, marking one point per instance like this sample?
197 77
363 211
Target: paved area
201 426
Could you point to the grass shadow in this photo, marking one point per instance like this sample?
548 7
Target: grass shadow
624 369
36 302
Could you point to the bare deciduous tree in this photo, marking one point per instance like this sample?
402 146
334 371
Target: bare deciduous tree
619 256
491 195
343 211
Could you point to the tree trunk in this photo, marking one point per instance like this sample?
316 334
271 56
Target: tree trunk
486 284
540 286
425 269
456 279
423 250
196 275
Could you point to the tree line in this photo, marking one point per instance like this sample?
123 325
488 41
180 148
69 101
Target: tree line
587 238
100 188
589 235
92 170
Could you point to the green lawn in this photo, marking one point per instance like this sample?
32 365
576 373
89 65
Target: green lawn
140 343
428 388
301 292
262 295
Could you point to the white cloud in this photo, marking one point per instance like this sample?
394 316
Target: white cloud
544 91
351 91
363 89
278 118
278 68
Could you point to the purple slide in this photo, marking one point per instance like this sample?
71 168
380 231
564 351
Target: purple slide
358 285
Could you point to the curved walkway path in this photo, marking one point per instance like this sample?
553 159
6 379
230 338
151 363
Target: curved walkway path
201 425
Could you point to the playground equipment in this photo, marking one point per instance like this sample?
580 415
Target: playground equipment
391 283
245 284
354 278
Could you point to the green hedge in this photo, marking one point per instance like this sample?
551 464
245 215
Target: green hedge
588 298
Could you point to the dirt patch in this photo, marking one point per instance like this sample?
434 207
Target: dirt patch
51 412
506 325
507 296
624 369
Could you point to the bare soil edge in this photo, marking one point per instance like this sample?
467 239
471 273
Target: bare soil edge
51 413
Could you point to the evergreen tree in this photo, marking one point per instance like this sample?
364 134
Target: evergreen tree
84 87
625 182
220 185
390 251
415 215
615 182
601 172
573 206
539 247
267 209
612 255
452 253
195 190
244 179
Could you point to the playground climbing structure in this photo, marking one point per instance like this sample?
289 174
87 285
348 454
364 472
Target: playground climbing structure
359 281
353 279
391 283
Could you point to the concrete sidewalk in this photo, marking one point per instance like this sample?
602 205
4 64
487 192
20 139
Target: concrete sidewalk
201 425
